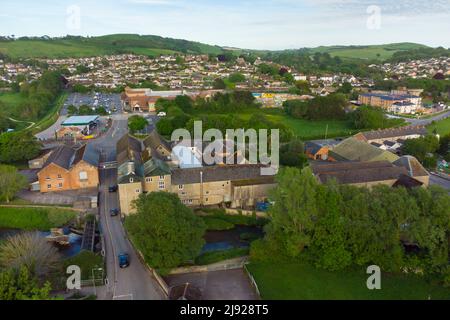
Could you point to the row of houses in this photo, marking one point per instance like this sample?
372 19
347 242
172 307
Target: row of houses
148 166
397 101
366 159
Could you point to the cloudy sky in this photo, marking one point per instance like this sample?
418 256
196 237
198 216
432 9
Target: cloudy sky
253 24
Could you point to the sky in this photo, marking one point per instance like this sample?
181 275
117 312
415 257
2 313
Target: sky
249 24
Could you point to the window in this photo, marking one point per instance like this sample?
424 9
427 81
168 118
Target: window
190 201
161 177
60 185
162 185
49 186
59 176
83 175
48 178
148 179
138 190
180 187
131 180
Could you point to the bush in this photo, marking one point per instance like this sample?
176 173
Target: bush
87 261
216 256
217 224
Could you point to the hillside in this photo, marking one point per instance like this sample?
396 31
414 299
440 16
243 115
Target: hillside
370 52
93 46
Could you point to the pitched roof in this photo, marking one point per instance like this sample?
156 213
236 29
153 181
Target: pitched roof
352 149
413 166
391 133
357 172
62 156
154 140
217 173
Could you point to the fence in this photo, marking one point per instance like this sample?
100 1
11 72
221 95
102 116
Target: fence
252 280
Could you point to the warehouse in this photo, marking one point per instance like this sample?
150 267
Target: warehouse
84 123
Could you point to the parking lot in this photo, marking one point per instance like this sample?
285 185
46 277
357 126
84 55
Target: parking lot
217 285
111 102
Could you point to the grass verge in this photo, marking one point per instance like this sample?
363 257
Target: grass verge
217 256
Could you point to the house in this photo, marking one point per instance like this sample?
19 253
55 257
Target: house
353 149
407 172
319 149
39 162
393 134
143 166
69 169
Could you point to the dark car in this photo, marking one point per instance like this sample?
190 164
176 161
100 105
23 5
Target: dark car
113 188
124 260
114 212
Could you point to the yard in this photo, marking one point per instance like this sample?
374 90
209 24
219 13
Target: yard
442 127
301 281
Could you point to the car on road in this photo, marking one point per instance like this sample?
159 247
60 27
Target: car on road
162 114
113 188
114 212
124 260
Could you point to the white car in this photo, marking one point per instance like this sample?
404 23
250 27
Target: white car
162 114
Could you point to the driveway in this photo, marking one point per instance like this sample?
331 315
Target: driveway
218 285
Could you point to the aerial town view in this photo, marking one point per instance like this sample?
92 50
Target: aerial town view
244 151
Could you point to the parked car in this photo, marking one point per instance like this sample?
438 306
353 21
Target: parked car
114 212
162 114
113 188
124 260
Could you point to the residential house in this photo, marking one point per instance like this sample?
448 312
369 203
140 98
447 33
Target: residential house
69 169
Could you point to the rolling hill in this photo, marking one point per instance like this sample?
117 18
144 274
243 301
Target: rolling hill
370 52
111 44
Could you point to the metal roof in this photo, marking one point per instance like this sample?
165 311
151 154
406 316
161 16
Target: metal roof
79 120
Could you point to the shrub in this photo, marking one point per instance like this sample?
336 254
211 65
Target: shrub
249 236
216 256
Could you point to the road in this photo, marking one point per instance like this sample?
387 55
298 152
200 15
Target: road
423 122
134 282
436 180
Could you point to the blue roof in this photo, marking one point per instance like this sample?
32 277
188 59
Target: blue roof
79 120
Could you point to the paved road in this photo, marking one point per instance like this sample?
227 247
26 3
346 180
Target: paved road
134 282
424 122
436 180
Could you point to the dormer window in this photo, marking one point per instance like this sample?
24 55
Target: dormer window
131 180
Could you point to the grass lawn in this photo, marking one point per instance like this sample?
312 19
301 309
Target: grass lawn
10 101
34 218
301 281
87 261
52 115
443 127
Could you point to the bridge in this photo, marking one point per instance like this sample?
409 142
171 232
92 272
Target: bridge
88 239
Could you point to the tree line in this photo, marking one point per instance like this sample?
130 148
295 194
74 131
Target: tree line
337 227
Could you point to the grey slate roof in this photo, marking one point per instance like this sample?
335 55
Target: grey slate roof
66 157
393 132
217 173
357 172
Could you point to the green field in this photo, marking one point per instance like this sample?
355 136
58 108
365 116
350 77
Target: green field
75 47
372 52
10 101
300 281
442 127
34 218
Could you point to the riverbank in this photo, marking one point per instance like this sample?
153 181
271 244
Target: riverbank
34 218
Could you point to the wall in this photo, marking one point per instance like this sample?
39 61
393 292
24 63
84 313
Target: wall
128 193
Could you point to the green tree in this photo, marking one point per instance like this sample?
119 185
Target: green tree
165 127
294 210
17 147
329 239
166 232
21 285
421 148
10 182
236 77
137 123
